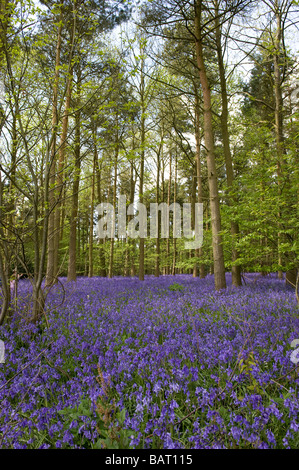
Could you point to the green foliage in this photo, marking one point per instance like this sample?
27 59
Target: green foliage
176 287
109 425
116 436
246 366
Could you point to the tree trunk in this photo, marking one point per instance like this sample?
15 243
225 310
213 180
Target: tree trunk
72 263
60 176
4 275
157 263
193 201
6 9
92 196
62 151
168 203
218 258
102 269
131 241
174 216
199 251
236 270
111 258
162 251
51 227
199 176
142 155
280 146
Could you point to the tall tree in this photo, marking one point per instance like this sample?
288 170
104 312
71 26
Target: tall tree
236 269
219 269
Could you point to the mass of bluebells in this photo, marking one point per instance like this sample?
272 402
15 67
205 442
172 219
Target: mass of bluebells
168 363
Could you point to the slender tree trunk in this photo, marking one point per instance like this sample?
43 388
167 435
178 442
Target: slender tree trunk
131 241
193 201
199 251
92 196
162 251
72 263
51 229
60 174
168 203
6 8
63 213
157 263
127 261
127 240
236 270
279 134
85 243
5 14
111 258
62 147
4 275
218 257
102 270
12 215
174 215
78 242
142 156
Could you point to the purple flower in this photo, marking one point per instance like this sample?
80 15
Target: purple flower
162 356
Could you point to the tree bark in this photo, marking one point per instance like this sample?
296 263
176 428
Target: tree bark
142 155
111 258
174 216
62 152
92 196
4 275
193 202
236 270
72 262
218 258
199 251
168 203
60 176
279 134
131 242
51 226
157 263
